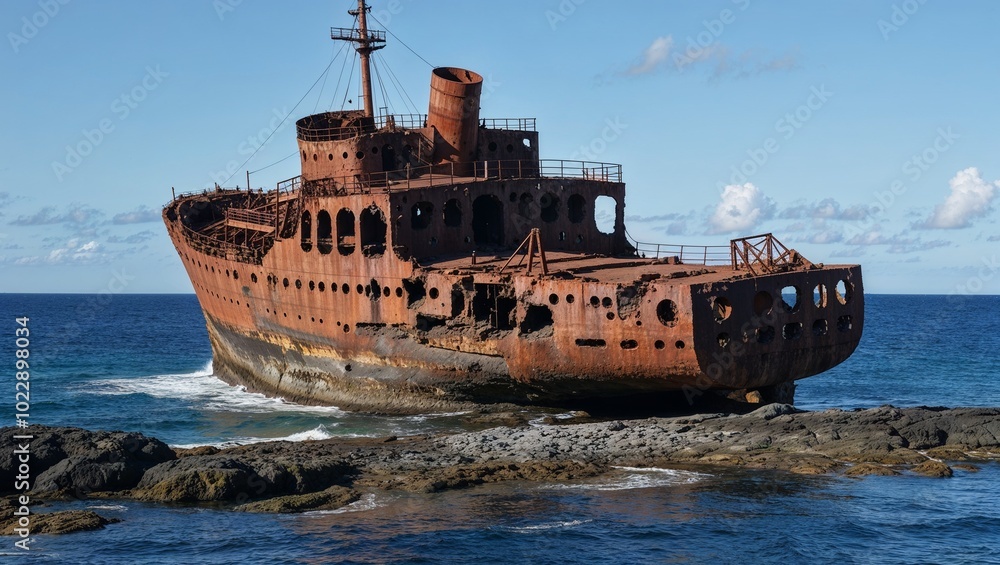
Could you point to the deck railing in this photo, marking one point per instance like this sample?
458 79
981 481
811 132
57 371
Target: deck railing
401 121
451 173
685 254
512 124
759 254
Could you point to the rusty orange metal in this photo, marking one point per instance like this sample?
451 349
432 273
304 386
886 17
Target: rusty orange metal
381 278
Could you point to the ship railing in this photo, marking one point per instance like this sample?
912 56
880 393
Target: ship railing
401 121
404 121
451 173
548 168
511 124
685 254
288 186
760 254
307 133
354 34
221 248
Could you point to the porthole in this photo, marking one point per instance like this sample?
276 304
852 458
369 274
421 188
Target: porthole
610 315
629 344
570 299
312 285
666 312
433 293
553 299
236 275
321 286
762 302
330 156
595 301
360 155
345 288
253 277
285 282
346 155
721 308
819 296
399 292
790 298
792 330
845 291
765 334
845 323
298 284
659 344
360 288
606 302
679 344
820 328
722 339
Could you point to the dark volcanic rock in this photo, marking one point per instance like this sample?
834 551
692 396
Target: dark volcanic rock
329 499
81 460
65 522
200 479
244 473
931 468
288 477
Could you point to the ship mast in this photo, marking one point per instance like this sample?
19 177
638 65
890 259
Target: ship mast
366 44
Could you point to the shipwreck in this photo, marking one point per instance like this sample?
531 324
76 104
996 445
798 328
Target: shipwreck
420 262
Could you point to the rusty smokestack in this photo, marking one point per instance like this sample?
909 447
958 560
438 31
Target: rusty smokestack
454 113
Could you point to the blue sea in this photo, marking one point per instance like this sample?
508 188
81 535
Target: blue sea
143 363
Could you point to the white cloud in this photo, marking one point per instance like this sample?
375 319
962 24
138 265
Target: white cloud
73 252
971 197
742 208
140 215
664 53
654 56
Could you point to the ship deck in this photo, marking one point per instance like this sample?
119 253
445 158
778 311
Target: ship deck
600 267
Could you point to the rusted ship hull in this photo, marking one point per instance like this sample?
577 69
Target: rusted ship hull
721 329
389 276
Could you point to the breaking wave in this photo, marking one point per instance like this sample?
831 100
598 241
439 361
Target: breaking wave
546 526
204 391
364 504
318 433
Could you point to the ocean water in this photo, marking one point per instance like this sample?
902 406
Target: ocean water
143 363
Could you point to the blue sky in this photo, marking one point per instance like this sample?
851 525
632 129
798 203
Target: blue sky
855 131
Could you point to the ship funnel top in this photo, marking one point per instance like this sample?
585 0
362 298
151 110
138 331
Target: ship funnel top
454 113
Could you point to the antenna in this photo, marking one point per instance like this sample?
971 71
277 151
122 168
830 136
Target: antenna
367 42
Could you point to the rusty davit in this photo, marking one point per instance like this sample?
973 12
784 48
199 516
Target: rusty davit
422 262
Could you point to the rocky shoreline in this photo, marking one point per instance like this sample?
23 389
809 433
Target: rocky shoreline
71 463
